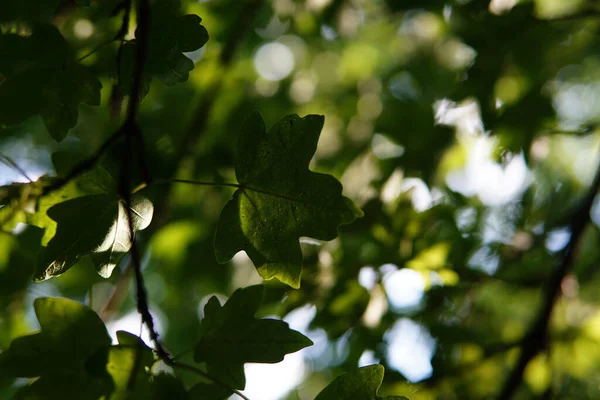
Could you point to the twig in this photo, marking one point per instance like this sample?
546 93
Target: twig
8 161
197 183
131 133
83 166
206 375
536 339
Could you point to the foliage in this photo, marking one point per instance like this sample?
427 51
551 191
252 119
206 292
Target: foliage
423 203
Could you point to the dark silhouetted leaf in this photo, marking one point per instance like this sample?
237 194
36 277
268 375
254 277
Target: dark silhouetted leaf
93 225
171 35
230 336
42 79
279 198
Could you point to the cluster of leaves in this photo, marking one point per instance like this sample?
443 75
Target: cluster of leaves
110 207
72 356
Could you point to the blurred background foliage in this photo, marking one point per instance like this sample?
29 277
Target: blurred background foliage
465 129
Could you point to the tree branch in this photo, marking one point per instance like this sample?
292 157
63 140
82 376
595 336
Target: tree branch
206 375
537 337
132 132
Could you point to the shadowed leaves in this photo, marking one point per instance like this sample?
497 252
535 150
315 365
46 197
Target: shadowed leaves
40 78
171 35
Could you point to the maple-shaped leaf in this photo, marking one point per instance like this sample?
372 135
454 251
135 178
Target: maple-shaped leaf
72 358
279 199
230 336
41 78
170 35
361 384
95 225
70 334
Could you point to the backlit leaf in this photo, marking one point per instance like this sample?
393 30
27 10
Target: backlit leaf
230 336
95 225
279 198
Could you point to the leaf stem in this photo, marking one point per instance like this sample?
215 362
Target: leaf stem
206 375
97 48
193 182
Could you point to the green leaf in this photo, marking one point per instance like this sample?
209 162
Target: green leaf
93 225
73 360
70 334
361 384
230 336
42 79
170 35
279 198
96 181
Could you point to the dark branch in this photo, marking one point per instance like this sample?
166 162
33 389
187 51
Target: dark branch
132 133
537 337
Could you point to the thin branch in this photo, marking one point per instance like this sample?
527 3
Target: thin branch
206 375
8 161
193 182
85 165
132 132
537 337
120 35
97 48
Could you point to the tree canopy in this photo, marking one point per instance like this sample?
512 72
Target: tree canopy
299 199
